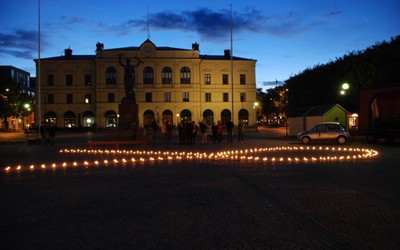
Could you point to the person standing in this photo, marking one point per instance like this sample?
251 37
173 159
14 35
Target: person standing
189 133
154 126
194 132
240 131
203 131
52 134
229 129
181 132
214 132
220 128
169 128
164 130
43 134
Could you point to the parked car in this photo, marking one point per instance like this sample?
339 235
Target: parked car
326 131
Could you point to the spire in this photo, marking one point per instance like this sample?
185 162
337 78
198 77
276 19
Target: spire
148 23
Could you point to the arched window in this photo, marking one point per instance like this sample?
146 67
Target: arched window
186 115
148 75
88 119
167 115
185 75
208 116
51 118
111 75
166 75
244 116
225 116
111 119
69 119
148 117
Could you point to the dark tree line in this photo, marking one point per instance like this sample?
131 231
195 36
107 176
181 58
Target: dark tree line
377 65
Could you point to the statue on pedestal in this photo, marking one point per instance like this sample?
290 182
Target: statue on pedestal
129 77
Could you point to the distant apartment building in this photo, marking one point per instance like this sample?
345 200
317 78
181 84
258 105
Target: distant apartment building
26 92
169 83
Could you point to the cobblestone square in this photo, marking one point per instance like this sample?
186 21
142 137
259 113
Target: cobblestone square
200 204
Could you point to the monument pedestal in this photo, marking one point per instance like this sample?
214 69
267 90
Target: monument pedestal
128 114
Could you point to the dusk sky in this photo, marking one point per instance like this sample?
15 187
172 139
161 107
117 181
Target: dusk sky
285 37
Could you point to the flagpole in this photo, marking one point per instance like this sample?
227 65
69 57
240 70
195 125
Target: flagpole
233 112
38 71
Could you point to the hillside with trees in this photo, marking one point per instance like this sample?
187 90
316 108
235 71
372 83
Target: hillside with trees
378 65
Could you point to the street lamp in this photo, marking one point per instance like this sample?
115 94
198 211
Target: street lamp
344 88
27 107
343 91
255 107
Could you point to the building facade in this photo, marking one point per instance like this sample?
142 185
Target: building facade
168 83
25 96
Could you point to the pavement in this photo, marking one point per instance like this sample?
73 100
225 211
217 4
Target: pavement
198 204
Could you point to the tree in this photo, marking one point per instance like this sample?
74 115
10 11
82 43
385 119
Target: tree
12 102
375 66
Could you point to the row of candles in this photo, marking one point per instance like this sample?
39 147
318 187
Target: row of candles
118 157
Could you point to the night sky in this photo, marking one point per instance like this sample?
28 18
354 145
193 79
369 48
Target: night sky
285 37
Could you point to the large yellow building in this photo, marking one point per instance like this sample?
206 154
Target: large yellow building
170 83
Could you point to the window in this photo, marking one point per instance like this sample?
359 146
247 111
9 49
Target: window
149 97
225 79
111 75
148 75
242 79
88 80
185 75
88 98
242 97
167 97
69 98
111 97
208 97
185 96
207 79
225 97
68 80
50 99
50 80
166 75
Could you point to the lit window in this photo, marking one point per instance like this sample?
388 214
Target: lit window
208 97
185 96
207 79
185 75
166 75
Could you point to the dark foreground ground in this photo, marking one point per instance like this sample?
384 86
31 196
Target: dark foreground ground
200 204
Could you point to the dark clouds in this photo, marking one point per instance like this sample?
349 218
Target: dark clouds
18 43
206 23
270 84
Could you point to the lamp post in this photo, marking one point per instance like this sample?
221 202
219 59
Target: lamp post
344 89
255 107
27 107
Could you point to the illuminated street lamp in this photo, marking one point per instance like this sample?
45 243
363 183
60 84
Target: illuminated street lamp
25 119
255 107
343 91
344 88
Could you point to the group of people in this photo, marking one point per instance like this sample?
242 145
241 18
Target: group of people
47 134
188 131
217 130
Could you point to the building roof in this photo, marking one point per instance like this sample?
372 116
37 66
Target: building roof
221 57
70 56
314 110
